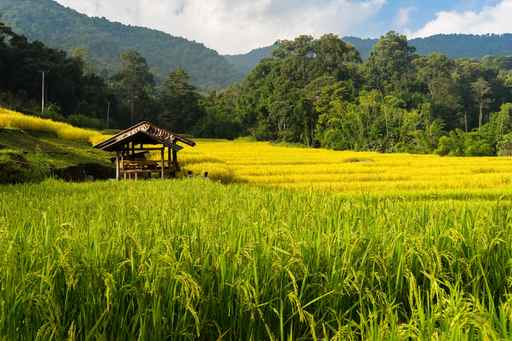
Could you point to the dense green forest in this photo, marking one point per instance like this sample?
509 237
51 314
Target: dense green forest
63 28
452 45
74 93
315 92
319 92
68 87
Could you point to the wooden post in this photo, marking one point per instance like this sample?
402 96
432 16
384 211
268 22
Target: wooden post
117 166
169 161
163 161
121 166
175 160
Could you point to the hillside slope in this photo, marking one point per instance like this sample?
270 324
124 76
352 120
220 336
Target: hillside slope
452 45
27 156
32 149
246 62
64 28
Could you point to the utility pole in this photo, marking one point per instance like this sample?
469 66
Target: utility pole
108 115
132 111
43 93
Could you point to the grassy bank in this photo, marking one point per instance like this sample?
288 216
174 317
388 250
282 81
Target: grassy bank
32 149
64 131
195 259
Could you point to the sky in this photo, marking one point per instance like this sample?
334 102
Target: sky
238 26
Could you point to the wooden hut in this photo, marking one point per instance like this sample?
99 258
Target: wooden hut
134 145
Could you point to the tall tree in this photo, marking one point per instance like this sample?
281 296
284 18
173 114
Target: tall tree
180 102
436 75
134 84
82 55
278 96
482 91
390 67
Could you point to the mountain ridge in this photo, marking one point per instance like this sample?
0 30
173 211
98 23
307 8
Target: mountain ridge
105 40
453 45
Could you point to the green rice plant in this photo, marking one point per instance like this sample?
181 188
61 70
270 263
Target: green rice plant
195 259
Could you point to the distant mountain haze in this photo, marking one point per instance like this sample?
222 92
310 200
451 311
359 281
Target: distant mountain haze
61 27
246 62
451 45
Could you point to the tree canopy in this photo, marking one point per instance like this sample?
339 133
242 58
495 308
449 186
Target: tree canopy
319 92
315 92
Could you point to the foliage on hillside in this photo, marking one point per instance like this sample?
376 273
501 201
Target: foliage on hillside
451 45
318 92
64 28
74 94
105 41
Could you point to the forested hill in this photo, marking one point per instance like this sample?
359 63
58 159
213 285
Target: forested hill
451 45
64 28
246 62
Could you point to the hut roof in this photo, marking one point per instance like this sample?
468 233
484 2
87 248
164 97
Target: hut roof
143 133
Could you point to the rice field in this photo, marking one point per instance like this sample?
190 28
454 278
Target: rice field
351 173
194 259
16 120
289 244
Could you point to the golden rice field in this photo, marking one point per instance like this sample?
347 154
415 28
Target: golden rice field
12 119
262 163
266 164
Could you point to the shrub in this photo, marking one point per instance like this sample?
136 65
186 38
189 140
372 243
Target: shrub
505 145
459 143
477 145
83 121
452 144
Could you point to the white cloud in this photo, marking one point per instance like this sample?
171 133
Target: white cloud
403 18
491 19
233 26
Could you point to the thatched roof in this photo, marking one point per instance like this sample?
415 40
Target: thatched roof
142 133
